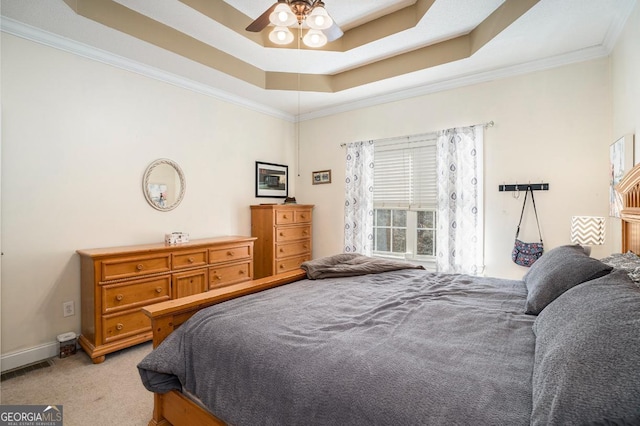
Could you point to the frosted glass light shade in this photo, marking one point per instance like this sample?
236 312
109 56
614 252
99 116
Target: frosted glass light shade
281 35
282 16
314 38
319 19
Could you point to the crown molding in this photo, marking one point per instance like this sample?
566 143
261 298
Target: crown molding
617 27
594 52
28 32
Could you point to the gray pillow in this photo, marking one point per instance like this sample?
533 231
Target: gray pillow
556 272
587 355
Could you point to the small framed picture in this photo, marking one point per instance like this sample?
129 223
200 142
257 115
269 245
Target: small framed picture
272 180
621 161
323 176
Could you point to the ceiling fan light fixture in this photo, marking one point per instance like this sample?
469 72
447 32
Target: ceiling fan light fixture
303 14
282 16
281 35
319 19
314 38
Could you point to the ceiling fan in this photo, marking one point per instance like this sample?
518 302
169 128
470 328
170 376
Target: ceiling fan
285 13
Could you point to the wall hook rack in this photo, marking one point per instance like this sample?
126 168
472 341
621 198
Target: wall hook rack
524 186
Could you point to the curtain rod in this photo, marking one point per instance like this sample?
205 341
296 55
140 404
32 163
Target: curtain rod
485 125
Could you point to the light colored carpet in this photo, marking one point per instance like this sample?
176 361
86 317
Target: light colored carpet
110 393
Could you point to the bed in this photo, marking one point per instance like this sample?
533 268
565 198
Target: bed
350 341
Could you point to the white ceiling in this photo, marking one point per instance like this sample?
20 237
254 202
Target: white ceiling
552 33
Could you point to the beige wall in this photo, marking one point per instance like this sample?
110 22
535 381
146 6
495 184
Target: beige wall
552 126
77 136
625 65
626 79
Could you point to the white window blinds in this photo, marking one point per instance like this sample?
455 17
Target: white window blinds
405 173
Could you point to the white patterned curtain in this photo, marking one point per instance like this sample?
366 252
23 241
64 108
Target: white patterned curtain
460 234
358 206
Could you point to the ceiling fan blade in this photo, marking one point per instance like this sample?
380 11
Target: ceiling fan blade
333 32
262 21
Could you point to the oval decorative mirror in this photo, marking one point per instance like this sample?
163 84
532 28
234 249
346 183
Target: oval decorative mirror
163 185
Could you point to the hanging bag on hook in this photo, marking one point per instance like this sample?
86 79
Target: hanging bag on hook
525 254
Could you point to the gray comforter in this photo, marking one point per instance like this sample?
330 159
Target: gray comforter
406 347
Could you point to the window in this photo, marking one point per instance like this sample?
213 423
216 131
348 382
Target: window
397 229
390 227
426 233
405 197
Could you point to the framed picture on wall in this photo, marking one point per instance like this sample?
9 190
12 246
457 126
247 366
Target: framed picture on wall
323 176
621 161
272 180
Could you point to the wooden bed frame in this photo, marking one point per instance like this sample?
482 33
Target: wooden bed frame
173 408
629 189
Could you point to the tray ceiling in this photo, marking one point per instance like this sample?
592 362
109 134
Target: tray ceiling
390 49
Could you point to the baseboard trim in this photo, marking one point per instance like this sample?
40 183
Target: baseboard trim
18 359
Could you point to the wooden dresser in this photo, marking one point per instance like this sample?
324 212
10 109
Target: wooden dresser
117 282
283 233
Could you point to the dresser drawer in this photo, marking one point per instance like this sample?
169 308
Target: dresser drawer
230 253
189 259
131 294
135 266
189 282
293 249
285 217
291 263
124 325
292 233
302 216
220 276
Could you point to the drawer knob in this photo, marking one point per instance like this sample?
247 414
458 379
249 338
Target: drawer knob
282 234
281 250
306 247
241 272
284 216
158 289
305 232
119 297
119 326
191 260
217 277
281 266
302 216
140 267
229 253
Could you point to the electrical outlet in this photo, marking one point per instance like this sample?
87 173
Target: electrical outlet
68 309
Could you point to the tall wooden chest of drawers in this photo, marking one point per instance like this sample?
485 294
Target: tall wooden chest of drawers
116 282
283 233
